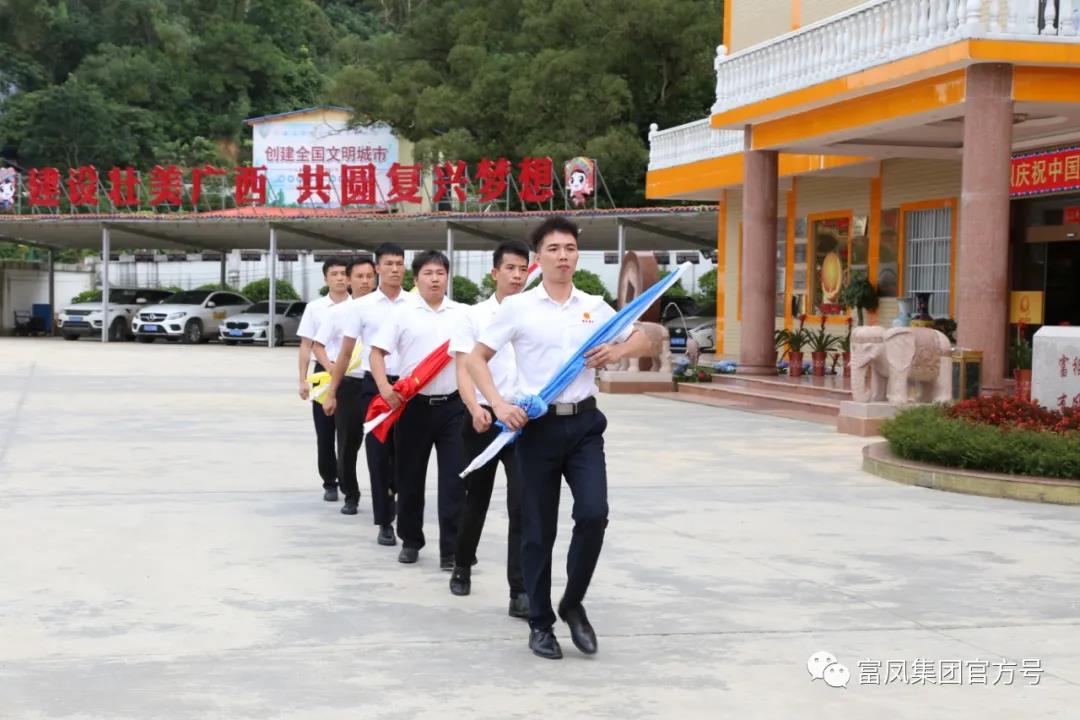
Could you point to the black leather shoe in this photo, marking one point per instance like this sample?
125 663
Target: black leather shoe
330 495
446 562
408 555
386 535
348 508
519 606
460 581
544 644
581 632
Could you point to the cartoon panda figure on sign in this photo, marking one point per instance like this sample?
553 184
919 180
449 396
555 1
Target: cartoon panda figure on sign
7 189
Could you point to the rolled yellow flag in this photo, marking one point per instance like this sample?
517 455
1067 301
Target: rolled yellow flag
320 381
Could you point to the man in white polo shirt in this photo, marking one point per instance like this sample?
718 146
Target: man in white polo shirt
431 419
350 418
337 282
546 326
510 271
360 321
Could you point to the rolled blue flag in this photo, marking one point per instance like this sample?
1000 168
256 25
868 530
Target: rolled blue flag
535 406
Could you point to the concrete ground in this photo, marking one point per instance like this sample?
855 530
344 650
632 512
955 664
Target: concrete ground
166 554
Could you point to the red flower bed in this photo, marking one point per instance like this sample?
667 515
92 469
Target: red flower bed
1010 412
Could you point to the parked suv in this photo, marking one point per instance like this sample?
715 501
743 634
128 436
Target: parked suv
250 326
80 319
191 315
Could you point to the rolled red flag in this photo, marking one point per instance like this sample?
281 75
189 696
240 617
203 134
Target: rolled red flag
380 418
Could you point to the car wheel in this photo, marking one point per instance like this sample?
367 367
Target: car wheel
118 330
193 332
70 337
279 336
145 339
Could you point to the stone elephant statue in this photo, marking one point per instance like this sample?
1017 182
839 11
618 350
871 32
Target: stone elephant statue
891 358
660 354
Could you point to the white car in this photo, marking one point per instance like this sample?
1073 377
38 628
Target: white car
190 315
251 325
84 319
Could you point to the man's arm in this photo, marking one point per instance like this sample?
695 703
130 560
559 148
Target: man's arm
319 351
378 371
637 345
305 363
477 363
480 418
337 372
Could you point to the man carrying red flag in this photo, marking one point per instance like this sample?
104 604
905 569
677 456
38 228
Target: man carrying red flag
433 418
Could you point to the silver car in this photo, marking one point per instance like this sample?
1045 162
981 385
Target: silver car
251 325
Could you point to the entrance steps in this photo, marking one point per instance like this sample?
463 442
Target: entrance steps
806 398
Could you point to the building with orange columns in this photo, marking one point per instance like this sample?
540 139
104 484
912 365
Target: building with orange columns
932 144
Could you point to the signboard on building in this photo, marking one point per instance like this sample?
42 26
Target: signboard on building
1072 215
1055 367
285 145
1026 307
1046 172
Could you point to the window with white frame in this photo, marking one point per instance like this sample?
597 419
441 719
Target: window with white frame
927 256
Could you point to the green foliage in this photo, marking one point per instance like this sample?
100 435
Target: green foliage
487 287
260 290
706 294
407 281
859 293
465 290
925 434
88 296
590 282
676 290
221 286
324 291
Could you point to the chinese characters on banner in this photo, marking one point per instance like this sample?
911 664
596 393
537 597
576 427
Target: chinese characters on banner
1045 172
317 184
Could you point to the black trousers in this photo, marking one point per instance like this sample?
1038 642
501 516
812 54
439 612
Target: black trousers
549 449
478 487
382 469
351 408
421 427
324 440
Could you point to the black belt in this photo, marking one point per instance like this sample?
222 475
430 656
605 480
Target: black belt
389 378
438 399
565 409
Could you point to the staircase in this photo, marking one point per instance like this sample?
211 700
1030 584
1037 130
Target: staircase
806 398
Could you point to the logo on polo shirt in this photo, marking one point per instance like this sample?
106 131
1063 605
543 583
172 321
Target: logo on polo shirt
586 318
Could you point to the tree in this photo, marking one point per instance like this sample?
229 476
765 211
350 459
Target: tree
706 295
465 290
590 282
259 290
487 286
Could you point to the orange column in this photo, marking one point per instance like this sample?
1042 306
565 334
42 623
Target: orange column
760 189
982 301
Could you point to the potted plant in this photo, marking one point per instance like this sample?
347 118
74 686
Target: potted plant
1021 357
844 344
821 342
859 293
780 338
796 341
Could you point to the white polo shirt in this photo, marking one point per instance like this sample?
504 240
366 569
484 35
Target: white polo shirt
315 313
417 330
367 315
474 320
330 334
545 334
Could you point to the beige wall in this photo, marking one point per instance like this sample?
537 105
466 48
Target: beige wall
731 275
756 21
907 181
814 10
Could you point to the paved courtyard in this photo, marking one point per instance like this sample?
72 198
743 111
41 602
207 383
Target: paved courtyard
166 554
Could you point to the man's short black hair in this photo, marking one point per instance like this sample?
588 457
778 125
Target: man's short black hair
554 224
389 249
510 247
334 262
365 260
429 257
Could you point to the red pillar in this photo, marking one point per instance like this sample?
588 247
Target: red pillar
757 352
982 257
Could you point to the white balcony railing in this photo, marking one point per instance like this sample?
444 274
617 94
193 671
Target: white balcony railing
878 32
689 143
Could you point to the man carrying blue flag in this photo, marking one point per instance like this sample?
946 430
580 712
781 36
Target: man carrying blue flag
546 326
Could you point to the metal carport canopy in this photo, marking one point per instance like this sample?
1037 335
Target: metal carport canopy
674 228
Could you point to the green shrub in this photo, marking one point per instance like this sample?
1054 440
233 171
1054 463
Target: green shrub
925 434
260 290
590 282
217 286
88 296
465 290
